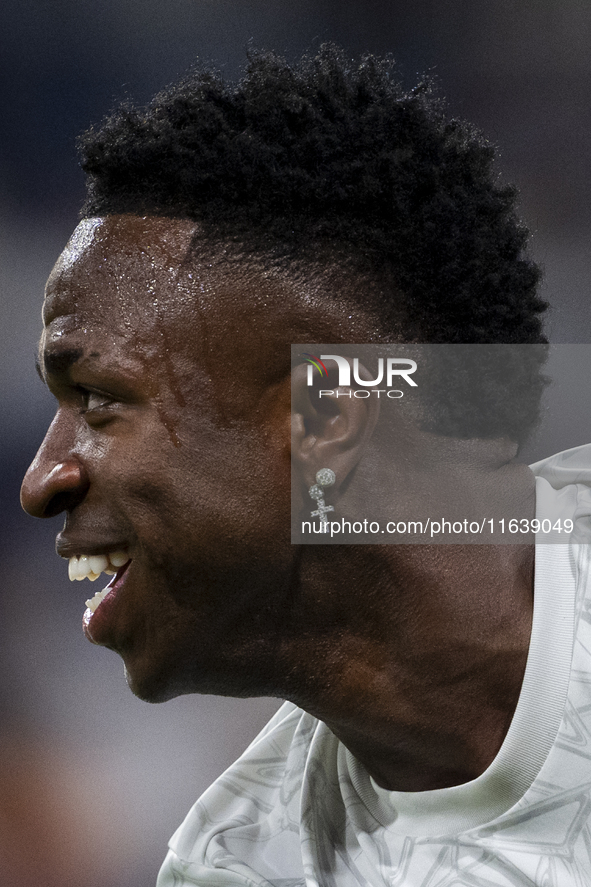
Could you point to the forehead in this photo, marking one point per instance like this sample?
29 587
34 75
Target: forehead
156 286
153 292
118 264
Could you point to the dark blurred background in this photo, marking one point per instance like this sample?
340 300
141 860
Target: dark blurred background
93 782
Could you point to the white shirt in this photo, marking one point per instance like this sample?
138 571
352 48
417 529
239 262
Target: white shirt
298 809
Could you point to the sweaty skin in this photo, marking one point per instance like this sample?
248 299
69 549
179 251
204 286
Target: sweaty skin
172 440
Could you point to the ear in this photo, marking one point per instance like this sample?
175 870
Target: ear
331 427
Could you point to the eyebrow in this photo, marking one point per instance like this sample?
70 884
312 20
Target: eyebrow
58 363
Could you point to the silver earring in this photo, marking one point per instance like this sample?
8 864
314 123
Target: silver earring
324 478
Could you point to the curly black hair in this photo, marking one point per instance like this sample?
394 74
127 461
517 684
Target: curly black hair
337 154
331 157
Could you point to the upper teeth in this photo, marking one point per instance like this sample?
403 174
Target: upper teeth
91 566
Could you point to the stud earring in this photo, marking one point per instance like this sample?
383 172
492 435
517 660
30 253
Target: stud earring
324 478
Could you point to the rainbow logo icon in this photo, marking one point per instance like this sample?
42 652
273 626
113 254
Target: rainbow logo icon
315 362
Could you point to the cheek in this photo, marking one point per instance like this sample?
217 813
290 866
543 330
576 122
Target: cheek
135 475
220 498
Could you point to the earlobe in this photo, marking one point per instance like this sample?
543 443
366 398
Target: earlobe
330 428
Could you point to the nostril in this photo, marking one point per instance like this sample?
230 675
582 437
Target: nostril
47 493
61 502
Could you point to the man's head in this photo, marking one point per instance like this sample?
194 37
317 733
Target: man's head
320 203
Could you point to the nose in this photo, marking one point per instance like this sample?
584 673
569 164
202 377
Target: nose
52 484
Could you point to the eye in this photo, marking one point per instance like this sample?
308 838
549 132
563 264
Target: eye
97 408
94 401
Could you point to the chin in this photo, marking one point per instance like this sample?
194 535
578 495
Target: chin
154 688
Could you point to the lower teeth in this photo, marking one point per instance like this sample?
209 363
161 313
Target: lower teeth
98 598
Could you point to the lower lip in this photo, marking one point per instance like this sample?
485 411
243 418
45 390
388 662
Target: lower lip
96 625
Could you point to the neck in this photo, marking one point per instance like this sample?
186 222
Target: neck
414 655
421 690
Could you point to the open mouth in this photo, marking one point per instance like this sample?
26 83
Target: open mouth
113 563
